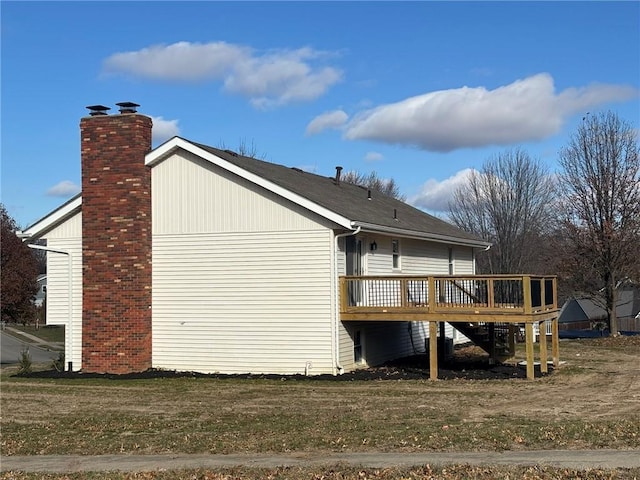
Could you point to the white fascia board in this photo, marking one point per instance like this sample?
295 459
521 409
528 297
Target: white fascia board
164 150
51 220
433 237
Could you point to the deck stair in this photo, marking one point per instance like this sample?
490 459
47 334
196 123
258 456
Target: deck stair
497 339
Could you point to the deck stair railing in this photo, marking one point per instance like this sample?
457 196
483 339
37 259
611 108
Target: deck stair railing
497 339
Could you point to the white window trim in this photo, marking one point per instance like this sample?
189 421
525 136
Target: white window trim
397 255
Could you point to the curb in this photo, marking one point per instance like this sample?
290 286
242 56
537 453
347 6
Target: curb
575 459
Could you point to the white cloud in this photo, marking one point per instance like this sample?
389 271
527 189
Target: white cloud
373 157
65 188
268 79
182 61
435 195
334 119
446 120
164 129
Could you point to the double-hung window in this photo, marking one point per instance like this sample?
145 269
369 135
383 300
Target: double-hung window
395 254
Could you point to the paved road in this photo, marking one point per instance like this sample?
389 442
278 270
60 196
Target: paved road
11 351
575 459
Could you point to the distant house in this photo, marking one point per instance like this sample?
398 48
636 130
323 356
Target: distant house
588 313
42 290
189 257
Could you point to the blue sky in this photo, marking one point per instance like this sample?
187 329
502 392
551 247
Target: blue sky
419 91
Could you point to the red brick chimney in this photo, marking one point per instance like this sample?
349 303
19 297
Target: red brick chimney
116 241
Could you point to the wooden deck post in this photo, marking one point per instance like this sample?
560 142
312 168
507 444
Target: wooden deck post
442 295
431 294
555 343
433 350
343 294
526 292
528 329
542 328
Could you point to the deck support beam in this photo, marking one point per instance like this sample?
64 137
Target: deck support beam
528 329
433 350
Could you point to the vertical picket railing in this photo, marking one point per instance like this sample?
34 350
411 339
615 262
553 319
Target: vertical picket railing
497 293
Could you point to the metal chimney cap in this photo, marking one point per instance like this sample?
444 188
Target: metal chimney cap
97 110
127 107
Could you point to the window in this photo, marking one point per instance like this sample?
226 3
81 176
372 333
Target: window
357 347
395 252
451 258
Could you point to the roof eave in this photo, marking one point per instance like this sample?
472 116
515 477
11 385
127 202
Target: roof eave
434 237
52 219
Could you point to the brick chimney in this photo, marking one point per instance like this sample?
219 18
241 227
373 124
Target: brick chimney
116 240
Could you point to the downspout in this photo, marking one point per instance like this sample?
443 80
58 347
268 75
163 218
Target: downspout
69 297
336 291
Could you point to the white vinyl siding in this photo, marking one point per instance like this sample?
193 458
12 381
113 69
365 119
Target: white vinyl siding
240 303
66 237
241 277
198 197
384 341
345 329
463 261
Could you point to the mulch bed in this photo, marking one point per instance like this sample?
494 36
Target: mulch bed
468 363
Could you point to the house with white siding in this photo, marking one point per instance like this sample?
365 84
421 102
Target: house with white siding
188 257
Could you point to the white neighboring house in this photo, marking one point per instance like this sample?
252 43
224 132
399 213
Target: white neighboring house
39 297
246 260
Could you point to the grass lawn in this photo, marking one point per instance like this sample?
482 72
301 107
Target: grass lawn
591 401
52 333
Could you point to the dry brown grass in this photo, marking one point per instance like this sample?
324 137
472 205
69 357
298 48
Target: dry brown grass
592 401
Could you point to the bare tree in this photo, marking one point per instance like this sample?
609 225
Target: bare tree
387 186
245 148
509 203
600 182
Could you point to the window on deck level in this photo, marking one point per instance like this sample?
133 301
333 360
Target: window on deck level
395 252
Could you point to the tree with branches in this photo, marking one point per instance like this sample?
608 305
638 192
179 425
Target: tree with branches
19 273
600 223
372 181
509 203
245 148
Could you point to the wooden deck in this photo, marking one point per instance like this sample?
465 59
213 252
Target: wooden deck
459 300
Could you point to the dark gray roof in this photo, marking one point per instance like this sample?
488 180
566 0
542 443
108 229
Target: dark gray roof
627 305
347 200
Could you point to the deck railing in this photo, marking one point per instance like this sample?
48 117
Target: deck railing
512 294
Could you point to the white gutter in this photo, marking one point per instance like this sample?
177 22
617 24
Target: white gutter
402 232
336 290
69 330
